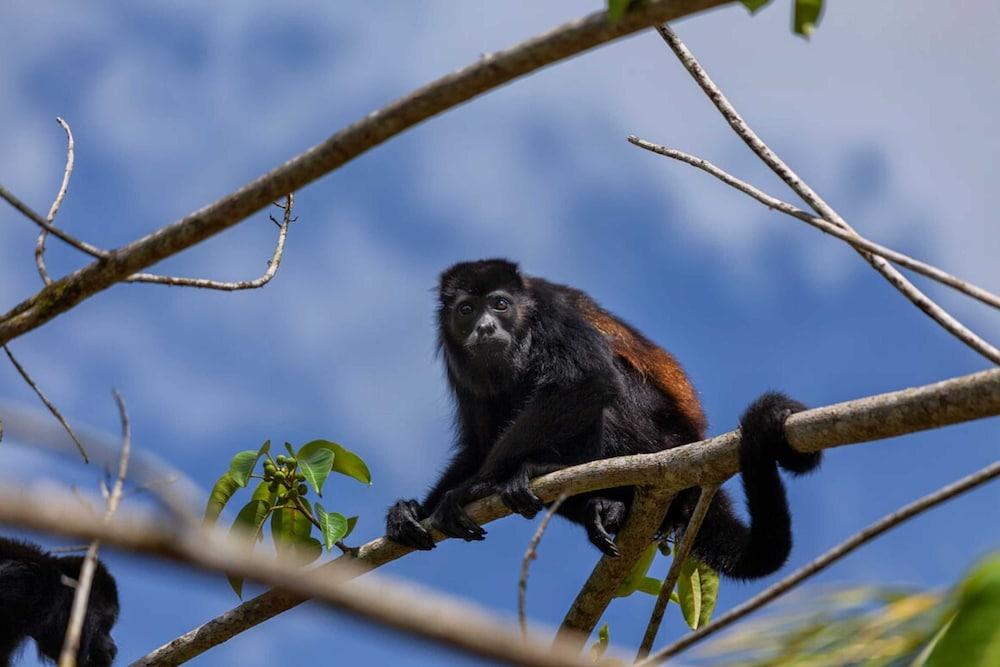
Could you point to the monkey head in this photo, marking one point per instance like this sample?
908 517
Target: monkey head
483 323
97 648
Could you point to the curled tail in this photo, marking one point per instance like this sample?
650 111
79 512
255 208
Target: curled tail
756 550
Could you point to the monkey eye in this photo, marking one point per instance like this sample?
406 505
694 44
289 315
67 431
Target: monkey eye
500 303
465 309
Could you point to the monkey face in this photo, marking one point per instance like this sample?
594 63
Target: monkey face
484 325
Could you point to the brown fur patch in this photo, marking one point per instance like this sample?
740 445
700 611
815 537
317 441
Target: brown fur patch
650 361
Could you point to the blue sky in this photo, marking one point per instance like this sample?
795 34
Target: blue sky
888 111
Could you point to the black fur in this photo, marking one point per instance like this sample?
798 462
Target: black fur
35 602
538 387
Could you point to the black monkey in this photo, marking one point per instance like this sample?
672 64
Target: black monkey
36 598
544 378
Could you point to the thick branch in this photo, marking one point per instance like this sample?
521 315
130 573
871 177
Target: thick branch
490 71
817 203
644 521
702 463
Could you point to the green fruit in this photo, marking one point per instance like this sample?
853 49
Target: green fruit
281 459
291 462
302 489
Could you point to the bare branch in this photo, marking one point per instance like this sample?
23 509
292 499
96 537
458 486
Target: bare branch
529 555
681 552
71 642
272 265
54 209
52 408
27 212
817 203
709 461
488 72
884 524
854 240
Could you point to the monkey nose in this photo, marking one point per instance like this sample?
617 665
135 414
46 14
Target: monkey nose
486 329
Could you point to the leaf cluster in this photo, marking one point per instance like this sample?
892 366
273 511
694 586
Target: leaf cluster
282 495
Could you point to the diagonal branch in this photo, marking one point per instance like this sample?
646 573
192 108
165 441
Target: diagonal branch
709 461
679 556
48 404
872 531
56 203
858 242
27 212
488 72
817 203
203 283
530 554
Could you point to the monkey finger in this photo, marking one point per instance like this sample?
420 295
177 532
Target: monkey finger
473 530
598 535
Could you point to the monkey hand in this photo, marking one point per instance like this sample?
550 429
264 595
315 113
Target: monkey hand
602 517
762 428
517 495
450 518
402 525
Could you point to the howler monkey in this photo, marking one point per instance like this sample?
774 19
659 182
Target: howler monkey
544 378
36 598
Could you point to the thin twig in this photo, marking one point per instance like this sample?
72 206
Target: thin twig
82 246
872 531
272 265
52 408
486 73
681 551
709 461
529 555
855 240
817 203
54 209
71 642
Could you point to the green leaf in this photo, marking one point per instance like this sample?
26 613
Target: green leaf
352 521
973 635
634 578
222 491
697 591
650 585
316 462
754 5
291 452
289 526
345 461
247 527
807 13
709 593
616 10
242 465
601 645
306 551
332 524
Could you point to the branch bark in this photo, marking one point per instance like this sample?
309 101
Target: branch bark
490 71
708 462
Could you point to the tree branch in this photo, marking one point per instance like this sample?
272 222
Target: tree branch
681 552
817 203
884 524
27 212
56 203
203 283
710 461
858 242
490 71
71 643
644 520
48 404
529 555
